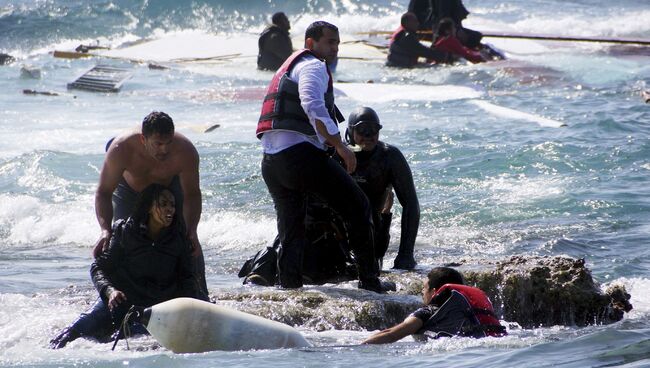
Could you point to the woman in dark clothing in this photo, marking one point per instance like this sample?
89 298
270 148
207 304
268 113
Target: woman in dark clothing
147 262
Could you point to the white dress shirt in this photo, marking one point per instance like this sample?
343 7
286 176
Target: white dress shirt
311 75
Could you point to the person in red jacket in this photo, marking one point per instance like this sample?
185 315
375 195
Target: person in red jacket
448 42
452 308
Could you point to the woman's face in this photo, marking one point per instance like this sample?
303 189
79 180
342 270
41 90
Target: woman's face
162 210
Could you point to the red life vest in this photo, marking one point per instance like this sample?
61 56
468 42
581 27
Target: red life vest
481 307
281 109
393 37
453 46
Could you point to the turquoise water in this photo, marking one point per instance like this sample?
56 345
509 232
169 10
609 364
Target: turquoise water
489 185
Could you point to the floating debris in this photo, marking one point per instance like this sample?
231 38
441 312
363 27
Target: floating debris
101 78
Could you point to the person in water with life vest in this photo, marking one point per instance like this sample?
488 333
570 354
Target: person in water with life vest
297 124
449 43
452 309
274 43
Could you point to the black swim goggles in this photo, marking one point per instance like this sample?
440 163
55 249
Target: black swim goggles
367 129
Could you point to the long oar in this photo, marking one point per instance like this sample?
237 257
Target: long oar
572 39
536 37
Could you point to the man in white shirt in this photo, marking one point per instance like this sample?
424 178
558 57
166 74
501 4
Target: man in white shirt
298 123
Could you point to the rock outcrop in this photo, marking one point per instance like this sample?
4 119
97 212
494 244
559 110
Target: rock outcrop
6 59
531 291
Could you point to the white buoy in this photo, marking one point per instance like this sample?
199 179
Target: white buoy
186 325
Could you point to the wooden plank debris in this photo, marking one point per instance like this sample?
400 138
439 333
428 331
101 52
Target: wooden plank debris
101 78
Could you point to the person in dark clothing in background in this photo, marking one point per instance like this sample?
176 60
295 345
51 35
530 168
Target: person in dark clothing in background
424 12
456 11
405 49
148 261
431 12
274 43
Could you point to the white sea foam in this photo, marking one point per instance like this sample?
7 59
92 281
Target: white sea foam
638 288
32 222
234 231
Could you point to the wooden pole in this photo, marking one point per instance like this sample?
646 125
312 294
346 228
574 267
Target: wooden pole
536 37
572 39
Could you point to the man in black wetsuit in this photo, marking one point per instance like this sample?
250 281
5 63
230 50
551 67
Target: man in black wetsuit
381 168
405 49
274 43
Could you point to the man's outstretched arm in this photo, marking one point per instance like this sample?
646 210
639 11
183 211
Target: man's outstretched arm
410 326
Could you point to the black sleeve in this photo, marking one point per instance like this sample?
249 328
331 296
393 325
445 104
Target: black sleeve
188 282
416 48
402 181
108 261
279 45
424 313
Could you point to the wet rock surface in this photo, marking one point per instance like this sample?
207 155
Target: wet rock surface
531 291
6 59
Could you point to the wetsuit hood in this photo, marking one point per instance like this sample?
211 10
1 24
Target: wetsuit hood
359 116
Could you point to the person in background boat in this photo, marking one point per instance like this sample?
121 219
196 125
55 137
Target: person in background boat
297 124
147 262
274 43
156 154
405 49
381 168
451 309
423 10
448 42
456 11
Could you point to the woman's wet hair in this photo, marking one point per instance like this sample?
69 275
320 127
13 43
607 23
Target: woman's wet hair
444 275
146 199
157 122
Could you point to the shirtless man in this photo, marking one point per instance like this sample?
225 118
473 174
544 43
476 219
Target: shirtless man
157 154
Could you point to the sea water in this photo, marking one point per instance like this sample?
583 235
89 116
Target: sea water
490 186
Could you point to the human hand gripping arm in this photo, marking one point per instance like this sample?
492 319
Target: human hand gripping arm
342 150
312 84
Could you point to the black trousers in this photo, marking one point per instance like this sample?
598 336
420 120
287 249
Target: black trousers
303 169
